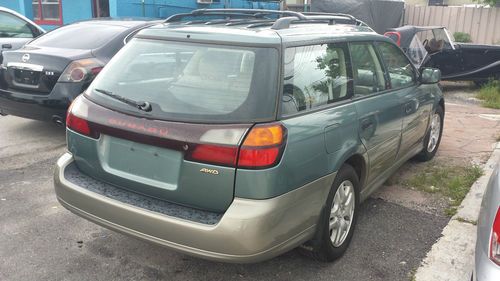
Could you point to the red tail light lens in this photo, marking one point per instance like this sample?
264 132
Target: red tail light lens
215 154
394 35
495 240
263 146
76 119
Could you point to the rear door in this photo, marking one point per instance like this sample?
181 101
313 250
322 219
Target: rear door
378 108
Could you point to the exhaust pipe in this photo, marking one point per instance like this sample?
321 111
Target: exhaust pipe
58 120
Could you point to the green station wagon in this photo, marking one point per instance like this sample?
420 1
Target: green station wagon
238 135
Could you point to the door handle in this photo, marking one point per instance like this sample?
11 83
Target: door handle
6 46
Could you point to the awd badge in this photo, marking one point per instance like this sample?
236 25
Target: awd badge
209 171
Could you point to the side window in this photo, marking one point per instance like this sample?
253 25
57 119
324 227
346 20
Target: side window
14 27
314 76
366 69
398 66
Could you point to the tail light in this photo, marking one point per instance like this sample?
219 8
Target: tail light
495 239
394 35
262 148
81 70
76 119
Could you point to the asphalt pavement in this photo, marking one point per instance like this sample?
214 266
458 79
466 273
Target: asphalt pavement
40 240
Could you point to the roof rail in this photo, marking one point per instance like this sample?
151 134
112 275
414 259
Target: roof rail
277 19
255 13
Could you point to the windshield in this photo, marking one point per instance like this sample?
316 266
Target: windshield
191 81
79 36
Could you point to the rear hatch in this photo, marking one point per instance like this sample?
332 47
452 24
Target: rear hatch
36 70
198 104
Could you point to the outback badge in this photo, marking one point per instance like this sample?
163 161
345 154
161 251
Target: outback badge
209 171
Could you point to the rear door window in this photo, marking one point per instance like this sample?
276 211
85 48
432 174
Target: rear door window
368 73
398 66
315 76
193 82
14 27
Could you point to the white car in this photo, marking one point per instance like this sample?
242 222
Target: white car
16 30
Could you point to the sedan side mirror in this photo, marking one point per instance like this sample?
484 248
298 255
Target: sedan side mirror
430 76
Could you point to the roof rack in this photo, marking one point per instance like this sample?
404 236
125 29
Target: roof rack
257 17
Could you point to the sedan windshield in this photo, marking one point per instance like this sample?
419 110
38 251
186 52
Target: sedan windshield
191 81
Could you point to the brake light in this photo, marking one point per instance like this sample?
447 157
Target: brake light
262 147
215 154
495 239
80 70
76 119
394 35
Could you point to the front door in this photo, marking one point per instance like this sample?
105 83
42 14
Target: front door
416 100
379 110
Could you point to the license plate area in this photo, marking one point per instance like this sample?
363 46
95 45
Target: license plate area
150 165
26 77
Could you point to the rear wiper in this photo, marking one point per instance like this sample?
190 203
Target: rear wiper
141 105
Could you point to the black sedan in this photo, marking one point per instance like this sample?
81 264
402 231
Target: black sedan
433 46
40 80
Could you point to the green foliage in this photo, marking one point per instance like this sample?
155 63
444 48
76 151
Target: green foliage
490 94
462 37
452 181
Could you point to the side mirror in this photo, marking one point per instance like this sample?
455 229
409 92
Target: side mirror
430 76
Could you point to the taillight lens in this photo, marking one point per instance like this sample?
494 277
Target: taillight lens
81 70
263 146
495 239
394 35
76 119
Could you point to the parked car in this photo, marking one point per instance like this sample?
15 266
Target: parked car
487 256
41 79
238 139
434 46
16 30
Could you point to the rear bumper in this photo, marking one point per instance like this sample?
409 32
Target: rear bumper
249 231
39 107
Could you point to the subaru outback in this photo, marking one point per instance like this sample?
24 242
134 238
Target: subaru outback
238 135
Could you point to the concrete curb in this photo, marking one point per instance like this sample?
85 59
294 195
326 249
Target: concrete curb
452 256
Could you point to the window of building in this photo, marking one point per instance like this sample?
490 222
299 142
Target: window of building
367 70
47 11
315 76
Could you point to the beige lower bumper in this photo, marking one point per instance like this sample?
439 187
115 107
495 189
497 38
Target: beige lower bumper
249 231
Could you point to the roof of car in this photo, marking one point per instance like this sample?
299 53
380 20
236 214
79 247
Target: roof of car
123 22
259 27
263 35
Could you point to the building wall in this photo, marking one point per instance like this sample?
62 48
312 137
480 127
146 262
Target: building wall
165 8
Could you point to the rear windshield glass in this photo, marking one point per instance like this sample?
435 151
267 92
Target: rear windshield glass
79 36
191 81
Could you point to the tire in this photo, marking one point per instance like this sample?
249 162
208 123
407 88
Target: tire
429 149
323 247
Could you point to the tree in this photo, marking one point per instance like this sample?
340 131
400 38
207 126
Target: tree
492 3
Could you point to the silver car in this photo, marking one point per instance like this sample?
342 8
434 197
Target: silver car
488 233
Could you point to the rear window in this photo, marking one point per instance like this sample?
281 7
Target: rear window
79 36
192 82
